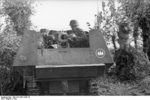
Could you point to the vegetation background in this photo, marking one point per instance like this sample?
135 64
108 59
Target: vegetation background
125 26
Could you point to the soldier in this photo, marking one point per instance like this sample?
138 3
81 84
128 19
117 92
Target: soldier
76 30
78 36
46 40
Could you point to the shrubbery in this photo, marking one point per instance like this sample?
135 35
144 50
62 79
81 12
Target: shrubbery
130 75
11 82
124 65
130 65
112 86
17 19
9 44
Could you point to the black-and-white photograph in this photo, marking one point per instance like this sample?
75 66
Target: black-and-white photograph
74 48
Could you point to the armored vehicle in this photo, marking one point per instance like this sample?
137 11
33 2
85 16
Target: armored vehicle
61 71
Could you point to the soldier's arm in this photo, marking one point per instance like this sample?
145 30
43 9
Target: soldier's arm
82 35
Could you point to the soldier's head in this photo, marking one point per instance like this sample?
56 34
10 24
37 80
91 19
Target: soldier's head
74 24
44 31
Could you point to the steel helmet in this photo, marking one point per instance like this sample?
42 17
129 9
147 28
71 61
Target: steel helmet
74 22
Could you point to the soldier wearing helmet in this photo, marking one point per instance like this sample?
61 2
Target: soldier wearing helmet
76 30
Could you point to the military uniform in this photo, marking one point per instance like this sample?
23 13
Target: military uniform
80 39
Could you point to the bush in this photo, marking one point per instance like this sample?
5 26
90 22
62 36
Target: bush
111 86
130 65
9 43
11 82
124 65
141 65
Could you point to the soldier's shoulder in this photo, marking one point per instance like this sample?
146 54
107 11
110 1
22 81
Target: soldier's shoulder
79 29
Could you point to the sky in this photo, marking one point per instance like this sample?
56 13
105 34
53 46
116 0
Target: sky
56 14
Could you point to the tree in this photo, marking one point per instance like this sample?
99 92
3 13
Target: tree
16 13
109 20
139 13
19 12
120 24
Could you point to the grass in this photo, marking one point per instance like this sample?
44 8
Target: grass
109 86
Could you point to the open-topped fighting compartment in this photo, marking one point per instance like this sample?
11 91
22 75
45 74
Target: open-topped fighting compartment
30 55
